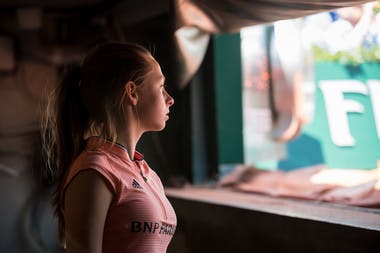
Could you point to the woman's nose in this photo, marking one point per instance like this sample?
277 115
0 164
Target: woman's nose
170 100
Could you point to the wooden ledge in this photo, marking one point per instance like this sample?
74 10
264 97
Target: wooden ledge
358 217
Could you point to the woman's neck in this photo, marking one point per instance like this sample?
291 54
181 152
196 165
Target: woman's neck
129 134
129 141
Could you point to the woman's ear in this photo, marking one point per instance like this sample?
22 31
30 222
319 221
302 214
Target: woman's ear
131 92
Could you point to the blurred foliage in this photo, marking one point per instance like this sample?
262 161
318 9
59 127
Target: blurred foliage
352 57
376 7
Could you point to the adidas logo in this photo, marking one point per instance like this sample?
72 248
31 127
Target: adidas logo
136 185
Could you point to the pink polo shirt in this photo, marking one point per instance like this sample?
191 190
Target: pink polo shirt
140 217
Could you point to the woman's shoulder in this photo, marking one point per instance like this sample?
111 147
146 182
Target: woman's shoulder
97 160
98 157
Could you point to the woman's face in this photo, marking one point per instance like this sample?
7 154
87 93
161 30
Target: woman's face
153 101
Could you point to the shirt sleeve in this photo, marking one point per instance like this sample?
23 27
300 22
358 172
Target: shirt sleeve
97 162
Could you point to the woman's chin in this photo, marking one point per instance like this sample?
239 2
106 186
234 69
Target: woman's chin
159 127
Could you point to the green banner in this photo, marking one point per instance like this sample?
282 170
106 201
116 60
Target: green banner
347 110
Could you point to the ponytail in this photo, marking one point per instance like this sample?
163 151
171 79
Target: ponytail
71 117
65 122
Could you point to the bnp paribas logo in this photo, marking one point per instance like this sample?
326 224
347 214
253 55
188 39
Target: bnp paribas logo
337 106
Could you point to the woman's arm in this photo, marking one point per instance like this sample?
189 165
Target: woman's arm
87 200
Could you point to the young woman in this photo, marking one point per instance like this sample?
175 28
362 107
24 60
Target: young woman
108 199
